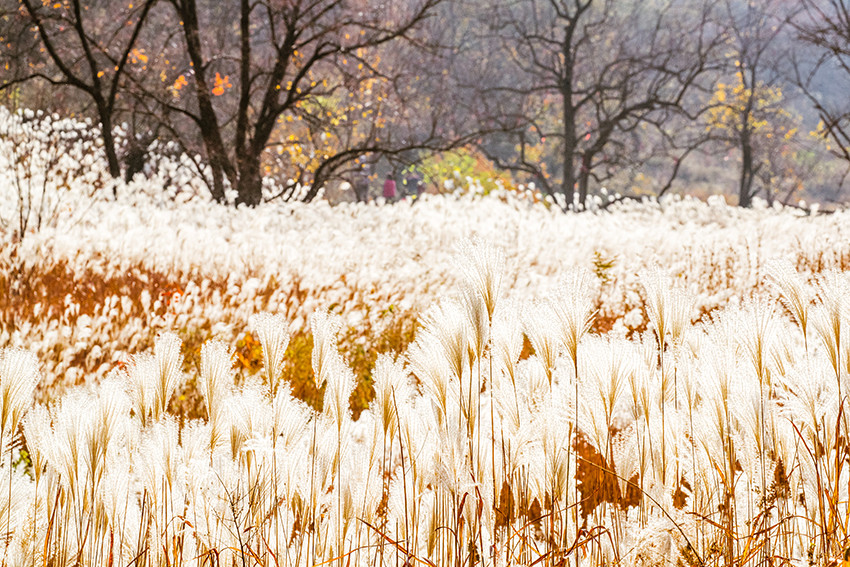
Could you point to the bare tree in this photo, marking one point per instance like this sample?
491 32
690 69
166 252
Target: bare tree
87 46
587 74
750 107
824 26
308 86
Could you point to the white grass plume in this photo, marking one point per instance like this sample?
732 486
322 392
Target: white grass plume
606 364
478 322
507 340
121 508
249 415
573 307
169 360
339 384
325 328
542 328
483 266
18 378
758 339
794 293
274 338
105 429
290 418
830 322
555 446
38 433
668 308
215 384
142 377
66 447
449 325
391 387
426 360
160 462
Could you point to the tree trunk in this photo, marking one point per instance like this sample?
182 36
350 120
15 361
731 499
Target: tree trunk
109 144
745 185
208 120
583 181
217 189
569 174
249 189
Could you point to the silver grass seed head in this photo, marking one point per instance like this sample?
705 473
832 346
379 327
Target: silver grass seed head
115 492
451 467
689 384
18 378
758 338
478 322
830 316
290 418
574 307
142 374
507 339
794 292
749 412
271 330
256 405
12 507
391 388
833 288
668 308
38 433
447 323
195 440
325 328
106 427
542 328
160 458
592 422
483 265
70 425
534 382
625 456
216 379
169 362
339 384
828 329
427 363
248 416
639 402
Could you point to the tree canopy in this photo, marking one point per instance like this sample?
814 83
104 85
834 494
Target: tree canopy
279 99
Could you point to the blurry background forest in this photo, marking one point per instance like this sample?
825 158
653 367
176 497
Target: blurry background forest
277 99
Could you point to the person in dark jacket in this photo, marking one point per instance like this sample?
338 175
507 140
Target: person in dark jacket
361 187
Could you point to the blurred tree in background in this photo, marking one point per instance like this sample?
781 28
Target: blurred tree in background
280 99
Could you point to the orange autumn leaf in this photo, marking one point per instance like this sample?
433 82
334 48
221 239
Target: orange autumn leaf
179 83
221 83
137 55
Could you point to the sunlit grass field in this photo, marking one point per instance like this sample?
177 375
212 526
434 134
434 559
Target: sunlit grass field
460 380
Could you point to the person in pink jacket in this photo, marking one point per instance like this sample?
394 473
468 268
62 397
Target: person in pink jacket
389 189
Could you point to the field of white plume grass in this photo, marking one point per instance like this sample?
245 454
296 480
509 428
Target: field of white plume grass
660 384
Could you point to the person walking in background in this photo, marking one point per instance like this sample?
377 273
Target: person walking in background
390 189
413 186
361 187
